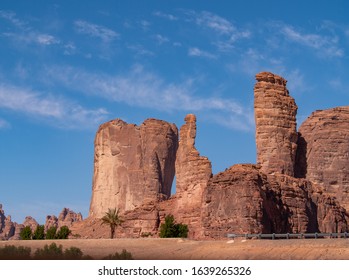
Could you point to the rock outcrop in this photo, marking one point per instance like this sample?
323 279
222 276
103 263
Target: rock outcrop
7 227
276 131
67 218
323 153
133 165
31 222
192 174
243 199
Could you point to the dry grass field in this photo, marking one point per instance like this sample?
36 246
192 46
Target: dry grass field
168 249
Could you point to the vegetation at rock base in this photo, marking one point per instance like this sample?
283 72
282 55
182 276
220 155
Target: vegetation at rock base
39 233
112 219
26 233
51 233
63 233
170 229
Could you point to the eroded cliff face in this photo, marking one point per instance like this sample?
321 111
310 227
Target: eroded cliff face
276 131
323 153
133 165
192 174
243 199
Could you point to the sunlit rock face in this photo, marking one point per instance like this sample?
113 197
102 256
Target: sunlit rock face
323 152
133 165
276 131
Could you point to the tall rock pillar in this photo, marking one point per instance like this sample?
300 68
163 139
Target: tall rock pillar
276 131
192 174
133 165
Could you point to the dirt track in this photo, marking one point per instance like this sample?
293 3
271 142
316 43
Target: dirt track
166 249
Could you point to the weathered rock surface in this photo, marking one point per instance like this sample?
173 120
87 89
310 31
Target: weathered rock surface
67 218
134 165
192 174
243 199
276 132
7 227
31 222
233 202
323 153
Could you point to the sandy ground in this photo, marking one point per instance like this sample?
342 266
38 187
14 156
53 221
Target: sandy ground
168 249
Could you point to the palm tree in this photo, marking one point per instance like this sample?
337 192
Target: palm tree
112 219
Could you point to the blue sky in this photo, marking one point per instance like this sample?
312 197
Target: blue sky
68 66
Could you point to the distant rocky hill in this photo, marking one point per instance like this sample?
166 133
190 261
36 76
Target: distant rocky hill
11 230
300 182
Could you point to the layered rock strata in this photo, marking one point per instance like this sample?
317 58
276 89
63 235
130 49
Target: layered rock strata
133 165
276 132
323 153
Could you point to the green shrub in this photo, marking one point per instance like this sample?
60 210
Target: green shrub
170 229
39 233
124 255
51 233
49 252
11 252
63 233
26 233
73 253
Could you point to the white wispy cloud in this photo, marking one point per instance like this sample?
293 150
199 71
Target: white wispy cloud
4 124
33 38
325 45
95 30
11 17
140 50
165 15
200 53
49 108
161 39
147 90
228 33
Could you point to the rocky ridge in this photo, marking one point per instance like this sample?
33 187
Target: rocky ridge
10 230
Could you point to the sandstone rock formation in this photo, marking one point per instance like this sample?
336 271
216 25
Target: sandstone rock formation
323 153
7 227
298 185
67 218
31 222
192 174
243 199
133 165
275 116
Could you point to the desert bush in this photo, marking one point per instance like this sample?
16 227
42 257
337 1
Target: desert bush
51 233
73 253
124 255
170 229
26 233
11 252
49 252
63 233
39 233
